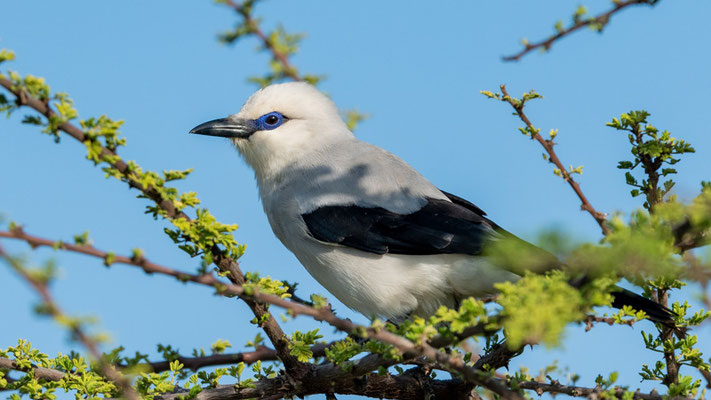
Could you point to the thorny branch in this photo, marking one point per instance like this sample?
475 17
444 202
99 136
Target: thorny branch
403 386
193 363
87 249
323 314
325 378
228 265
577 391
472 375
548 145
260 354
686 238
660 295
590 321
47 374
598 22
78 333
223 288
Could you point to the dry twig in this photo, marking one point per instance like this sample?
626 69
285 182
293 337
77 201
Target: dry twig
548 145
600 21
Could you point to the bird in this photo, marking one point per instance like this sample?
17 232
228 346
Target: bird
365 224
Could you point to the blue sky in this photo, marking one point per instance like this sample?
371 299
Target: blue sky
416 68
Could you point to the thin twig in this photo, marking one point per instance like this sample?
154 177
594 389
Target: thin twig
578 391
260 354
87 249
600 20
53 309
147 266
223 288
253 26
590 321
548 145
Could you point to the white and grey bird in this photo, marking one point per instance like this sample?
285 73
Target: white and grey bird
367 226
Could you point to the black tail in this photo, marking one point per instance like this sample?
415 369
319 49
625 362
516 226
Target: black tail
623 297
655 311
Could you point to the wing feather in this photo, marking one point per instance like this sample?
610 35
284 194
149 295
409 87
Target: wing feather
440 227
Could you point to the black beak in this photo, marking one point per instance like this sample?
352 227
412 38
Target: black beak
227 127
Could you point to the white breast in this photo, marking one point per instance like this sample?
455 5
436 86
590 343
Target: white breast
392 286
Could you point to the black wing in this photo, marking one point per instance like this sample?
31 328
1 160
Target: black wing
440 227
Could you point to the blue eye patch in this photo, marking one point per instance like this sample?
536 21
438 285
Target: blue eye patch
270 121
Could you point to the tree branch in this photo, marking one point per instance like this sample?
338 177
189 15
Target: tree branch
260 354
87 249
223 288
323 314
78 333
548 145
499 356
599 22
253 27
590 321
578 391
404 386
47 374
226 264
194 363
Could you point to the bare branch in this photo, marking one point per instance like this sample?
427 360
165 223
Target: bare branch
87 249
577 391
260 354
548 145
47 374
194 363
590 321
599 22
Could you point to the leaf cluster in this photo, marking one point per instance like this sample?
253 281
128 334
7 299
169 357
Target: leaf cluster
80 378
652 150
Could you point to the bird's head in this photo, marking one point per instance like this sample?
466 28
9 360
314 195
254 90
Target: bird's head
279 124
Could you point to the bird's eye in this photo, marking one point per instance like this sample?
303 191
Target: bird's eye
270 121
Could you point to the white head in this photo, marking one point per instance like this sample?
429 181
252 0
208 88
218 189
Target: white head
279 125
